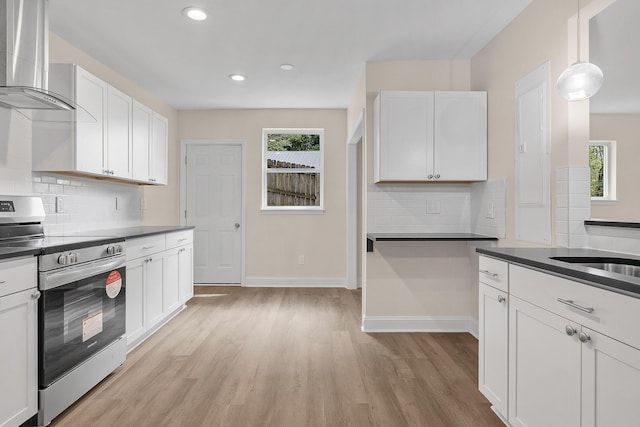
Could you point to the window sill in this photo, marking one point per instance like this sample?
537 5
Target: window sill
604 201
292 211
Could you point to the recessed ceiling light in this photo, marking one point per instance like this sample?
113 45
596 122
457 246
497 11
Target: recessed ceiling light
286 67
237 77
195 13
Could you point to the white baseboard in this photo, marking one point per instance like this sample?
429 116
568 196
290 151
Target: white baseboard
295 282
420 324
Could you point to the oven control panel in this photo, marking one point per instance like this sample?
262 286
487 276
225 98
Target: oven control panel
114 249
68 258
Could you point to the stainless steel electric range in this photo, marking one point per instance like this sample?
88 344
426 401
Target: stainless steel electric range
81 310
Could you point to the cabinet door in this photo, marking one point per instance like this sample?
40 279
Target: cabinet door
18 353
403 137
159 145
493 351
141 141
119 114
136 325
186 273
154 284
171 294
544 368
90 143
460 132
610 382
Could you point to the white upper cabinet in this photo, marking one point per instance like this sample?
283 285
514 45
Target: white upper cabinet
430 136
141 141
120 143
119 128
158 149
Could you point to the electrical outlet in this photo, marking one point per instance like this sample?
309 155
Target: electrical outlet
433 207
300 259
59 205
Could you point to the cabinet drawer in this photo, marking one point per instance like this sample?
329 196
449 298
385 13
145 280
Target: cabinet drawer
18 275
144 246
179 238
613 314
494 273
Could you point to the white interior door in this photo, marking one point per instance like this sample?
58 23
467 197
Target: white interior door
214 208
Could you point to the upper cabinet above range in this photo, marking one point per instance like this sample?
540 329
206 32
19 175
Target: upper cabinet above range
430 136
120 144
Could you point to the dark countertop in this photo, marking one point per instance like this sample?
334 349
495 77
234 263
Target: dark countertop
612 223
133 232
72 241
539 259
426 237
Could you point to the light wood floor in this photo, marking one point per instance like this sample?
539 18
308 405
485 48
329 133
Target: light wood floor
287 357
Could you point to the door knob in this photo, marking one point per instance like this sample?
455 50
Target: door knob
501 299
583 337
570 330
237 225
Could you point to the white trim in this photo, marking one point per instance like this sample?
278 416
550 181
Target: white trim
320 171
354 143
183 188
420 324
294 282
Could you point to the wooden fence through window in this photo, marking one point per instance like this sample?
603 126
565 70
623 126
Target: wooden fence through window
292 188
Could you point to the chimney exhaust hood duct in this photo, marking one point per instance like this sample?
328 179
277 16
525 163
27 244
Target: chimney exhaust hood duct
24 64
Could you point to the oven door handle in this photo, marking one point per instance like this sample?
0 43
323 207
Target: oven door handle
68 275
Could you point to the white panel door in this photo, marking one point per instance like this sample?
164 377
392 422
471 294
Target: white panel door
460 133
610 382
214 208
119 107
91 93
544 368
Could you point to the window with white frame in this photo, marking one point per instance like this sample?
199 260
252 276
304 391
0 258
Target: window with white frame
292 164
602 166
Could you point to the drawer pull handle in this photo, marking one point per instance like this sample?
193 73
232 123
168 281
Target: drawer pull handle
147 247
488 273
182 240
570 303
2 282
501 299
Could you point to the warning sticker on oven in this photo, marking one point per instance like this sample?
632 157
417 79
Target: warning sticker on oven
114 284
91 326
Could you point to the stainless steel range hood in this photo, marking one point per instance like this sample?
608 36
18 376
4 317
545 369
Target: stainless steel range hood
24 64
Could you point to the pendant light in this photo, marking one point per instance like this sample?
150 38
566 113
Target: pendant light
581 80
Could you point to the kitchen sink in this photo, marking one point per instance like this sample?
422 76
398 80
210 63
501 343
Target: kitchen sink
626 266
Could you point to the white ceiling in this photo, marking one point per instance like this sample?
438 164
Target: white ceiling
613 46
187 63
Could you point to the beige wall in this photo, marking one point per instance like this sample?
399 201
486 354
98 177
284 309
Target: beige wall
162 203
624 130
274 241
539 34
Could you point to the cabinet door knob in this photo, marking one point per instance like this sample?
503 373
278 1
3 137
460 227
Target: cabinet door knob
236 225
35 295
583 337
570 330
430 176
501 299
437 176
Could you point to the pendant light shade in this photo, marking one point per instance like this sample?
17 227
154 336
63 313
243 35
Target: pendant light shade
580 81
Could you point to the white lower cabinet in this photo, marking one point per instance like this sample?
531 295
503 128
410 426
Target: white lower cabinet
544 368
493 352
158 281
573 352
19 338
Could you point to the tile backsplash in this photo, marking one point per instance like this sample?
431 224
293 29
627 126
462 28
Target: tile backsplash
86 203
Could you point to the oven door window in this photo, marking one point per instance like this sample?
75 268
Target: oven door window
77 320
